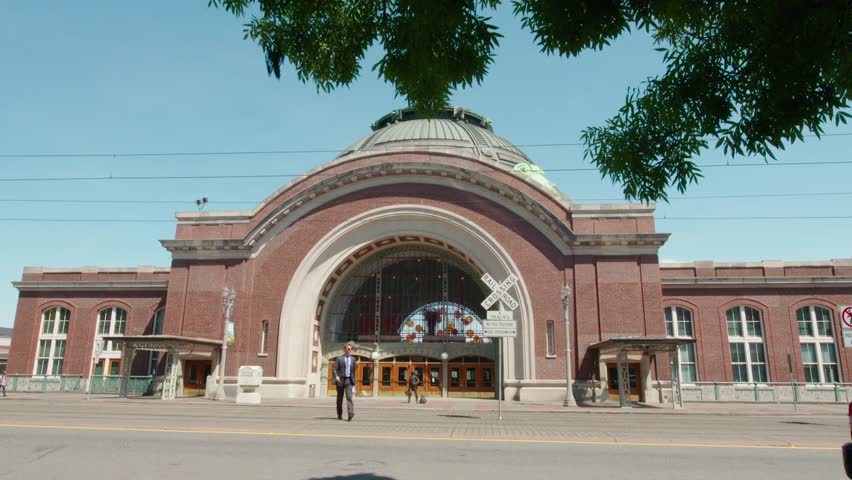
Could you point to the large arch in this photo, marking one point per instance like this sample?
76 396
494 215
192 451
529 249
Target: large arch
300 306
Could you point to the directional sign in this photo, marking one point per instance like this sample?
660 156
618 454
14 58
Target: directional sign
501 332
500 315
500 291
487 324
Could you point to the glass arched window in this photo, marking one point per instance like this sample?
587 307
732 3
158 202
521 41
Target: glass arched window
819 355
748 354
50 355
111 321
679 325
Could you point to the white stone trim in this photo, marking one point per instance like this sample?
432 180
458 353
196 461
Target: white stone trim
299 306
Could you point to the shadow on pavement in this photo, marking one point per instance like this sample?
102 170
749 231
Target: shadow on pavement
355 476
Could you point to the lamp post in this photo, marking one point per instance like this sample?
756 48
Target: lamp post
569 384
228 297
444 357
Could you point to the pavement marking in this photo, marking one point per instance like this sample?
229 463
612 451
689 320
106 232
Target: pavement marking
400 437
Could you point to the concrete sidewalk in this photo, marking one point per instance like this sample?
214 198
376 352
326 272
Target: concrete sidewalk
482 405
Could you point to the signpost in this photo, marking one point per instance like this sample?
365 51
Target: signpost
99 349
500 323
846 322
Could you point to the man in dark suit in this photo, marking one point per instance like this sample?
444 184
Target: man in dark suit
344 380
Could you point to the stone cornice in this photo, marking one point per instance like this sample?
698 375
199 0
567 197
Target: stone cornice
117 285
212 249
551 224
837 262
756 282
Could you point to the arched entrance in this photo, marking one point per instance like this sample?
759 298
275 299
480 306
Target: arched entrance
413 304
308 337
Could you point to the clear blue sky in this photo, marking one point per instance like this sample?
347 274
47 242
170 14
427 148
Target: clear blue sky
164 76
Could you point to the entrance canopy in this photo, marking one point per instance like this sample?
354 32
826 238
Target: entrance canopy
648 346
172 344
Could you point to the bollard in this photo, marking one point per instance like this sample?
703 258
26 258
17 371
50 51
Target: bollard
716 391
756 393
795 392
837 392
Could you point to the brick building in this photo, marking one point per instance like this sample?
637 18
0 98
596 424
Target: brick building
387 246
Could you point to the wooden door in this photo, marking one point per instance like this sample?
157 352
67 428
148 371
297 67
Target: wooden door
635 382
195 374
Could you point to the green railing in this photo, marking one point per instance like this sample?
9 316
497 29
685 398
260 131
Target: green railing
779 392
110 384
44 383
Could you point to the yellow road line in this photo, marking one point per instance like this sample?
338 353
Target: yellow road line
399 437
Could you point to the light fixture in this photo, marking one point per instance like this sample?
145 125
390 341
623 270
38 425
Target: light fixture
444 356
374 355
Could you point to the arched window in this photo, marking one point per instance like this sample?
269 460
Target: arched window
748 355
679 325
819 355
51 343
111 321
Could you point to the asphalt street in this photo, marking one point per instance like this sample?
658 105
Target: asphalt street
44 437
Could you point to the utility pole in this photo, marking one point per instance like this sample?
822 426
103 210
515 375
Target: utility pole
569 383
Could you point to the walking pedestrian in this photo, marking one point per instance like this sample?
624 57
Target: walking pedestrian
344 380
413 384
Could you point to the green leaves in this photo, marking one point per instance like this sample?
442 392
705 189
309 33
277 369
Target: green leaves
751 75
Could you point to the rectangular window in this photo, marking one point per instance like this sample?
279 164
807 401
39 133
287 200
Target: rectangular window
810 362
739 363
43 357
386 376
471 377
435 377
669 323
805 326
486 377
58 356
455 377
64 317
823 319
157 328
120 321
366 376
759 373
401 377
753 322
688 371
103 321
551 348
735 326
264 333
829 363
49 319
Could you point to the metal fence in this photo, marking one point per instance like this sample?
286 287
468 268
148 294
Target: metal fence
76 384
45 383
112 384
767 392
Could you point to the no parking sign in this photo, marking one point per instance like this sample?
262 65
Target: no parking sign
846 322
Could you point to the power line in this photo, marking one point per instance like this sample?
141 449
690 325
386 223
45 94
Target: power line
505 221
292 175
577 199
290 151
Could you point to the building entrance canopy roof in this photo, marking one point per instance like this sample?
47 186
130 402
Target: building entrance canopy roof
166 343
640 344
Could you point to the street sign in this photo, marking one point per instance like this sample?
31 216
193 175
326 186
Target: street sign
846 323
500 315
846 315
499 328
501 332
500 291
